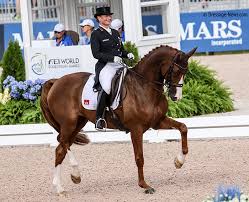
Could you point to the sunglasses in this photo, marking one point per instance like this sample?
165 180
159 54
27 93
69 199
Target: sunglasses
57 32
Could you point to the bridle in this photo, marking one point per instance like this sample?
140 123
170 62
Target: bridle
167 81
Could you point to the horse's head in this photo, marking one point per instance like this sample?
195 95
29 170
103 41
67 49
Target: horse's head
174 72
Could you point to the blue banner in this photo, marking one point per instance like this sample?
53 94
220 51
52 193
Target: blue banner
215 31
212 31
41 30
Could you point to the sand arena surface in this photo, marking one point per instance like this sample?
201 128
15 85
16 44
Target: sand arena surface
109 172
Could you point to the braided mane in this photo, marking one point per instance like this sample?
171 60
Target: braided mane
153 51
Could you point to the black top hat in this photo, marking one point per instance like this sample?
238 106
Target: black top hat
102 11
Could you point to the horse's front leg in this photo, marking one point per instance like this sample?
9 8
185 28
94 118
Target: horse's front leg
137 141
168 123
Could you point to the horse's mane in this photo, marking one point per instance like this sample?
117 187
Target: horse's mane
145 57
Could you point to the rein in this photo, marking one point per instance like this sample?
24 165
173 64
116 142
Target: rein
150 82
168 81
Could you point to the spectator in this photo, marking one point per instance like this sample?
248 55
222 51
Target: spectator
60 36
117 24
87 27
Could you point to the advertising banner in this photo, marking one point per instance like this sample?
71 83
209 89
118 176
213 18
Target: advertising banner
41 30
55 62
212 31
215 31
13 31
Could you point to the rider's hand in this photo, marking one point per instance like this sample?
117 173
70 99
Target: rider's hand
130 56
117 59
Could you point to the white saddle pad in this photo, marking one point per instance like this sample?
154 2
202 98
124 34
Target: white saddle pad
89 97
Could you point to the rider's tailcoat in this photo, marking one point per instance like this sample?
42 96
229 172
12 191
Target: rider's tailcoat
104 47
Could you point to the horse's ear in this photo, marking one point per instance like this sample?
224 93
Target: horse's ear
190 53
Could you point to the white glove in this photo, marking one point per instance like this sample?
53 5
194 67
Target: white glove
117 59
130 56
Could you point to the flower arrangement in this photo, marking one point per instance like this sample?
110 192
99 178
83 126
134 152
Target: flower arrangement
228 194
27 90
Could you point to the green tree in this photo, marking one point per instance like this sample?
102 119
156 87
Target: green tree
13 63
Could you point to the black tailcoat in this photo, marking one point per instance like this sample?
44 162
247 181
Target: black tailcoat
104 47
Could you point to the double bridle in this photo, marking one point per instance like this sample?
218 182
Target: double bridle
168 81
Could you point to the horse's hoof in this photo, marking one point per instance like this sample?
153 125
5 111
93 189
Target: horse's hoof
178 164
62 194
150 191
76 180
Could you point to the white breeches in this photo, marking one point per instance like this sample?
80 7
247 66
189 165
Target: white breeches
106 75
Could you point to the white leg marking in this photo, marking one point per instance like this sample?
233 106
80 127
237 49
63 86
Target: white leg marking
74 164
57 179
181 157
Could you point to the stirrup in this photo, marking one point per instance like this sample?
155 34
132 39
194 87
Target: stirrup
105 124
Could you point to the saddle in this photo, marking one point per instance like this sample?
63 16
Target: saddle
117 84
117 91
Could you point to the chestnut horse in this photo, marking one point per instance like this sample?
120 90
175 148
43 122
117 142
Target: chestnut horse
143 107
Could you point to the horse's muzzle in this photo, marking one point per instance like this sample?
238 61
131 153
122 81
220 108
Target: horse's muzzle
173 98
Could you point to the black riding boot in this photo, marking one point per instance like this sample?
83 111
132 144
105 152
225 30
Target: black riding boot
100 121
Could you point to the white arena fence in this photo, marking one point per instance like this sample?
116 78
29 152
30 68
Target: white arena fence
199 128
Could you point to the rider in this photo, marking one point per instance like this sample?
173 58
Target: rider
107 47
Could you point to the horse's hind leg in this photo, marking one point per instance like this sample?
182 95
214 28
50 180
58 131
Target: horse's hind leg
137 141
75 175
60 154
66 138
168 123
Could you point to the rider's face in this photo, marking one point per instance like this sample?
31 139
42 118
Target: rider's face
105 20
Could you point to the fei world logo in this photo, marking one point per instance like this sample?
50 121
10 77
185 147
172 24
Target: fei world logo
38 63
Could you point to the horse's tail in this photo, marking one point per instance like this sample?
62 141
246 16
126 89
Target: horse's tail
44 104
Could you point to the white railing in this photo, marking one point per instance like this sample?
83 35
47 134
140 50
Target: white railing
42 10
7 11
198 128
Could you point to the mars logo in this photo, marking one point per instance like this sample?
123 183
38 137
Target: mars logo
38 63
214 30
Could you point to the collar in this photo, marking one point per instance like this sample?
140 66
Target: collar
107 29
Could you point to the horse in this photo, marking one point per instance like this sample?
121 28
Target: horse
144 106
